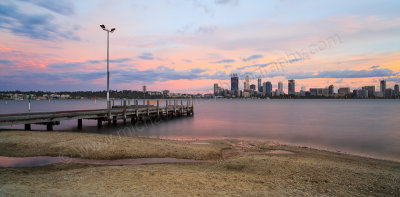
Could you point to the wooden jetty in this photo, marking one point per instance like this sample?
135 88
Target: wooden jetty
135 112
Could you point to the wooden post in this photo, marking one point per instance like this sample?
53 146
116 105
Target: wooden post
137 108
158 108
124 112
148 110
187 107
109 112
113 103
49 126
132 119
144 102
174 107
192 107
114 120
99 123
129 102
27 127
79 124
166 108
181 107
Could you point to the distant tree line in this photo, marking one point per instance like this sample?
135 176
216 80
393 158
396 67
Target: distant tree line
129 94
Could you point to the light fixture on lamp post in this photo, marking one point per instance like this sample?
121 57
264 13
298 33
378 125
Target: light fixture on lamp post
108 70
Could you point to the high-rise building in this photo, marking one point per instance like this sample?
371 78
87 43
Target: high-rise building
247 83
291 87
144 89
235 84
319 91
259 85
216 89
360 93
343 91
253 87
396 90
389 93
331 90
371 90
267 89
383 87
280 87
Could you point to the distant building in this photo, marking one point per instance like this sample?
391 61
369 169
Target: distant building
371 90
319 91
267 89
360 93
259 85
165 92
383 87
331 90
216 89
396 90
235 84
314 91
343 91
280 88
291 87
247 83
144 89
389 93
253 87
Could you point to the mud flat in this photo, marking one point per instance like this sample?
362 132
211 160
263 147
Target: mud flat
234 168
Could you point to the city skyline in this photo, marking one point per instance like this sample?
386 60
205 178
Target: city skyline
56 46
265 90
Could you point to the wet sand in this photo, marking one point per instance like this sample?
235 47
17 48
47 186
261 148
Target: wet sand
238 168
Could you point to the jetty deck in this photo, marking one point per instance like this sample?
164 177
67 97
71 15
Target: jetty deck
124 112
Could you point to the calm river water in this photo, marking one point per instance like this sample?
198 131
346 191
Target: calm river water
362 127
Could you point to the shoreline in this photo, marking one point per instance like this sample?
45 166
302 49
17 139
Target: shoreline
235 167
277 142
190 140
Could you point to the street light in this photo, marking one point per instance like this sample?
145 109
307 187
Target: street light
108 72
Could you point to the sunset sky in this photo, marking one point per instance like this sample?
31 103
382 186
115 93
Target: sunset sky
188 45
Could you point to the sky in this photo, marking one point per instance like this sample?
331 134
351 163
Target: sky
188 45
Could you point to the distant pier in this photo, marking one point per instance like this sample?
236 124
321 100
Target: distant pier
151 110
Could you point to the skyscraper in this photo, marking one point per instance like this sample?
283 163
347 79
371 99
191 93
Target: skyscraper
396 90
247 83
280 87
383 87
268 88
216 92
259 85
291 87
235 84
331 90
371 90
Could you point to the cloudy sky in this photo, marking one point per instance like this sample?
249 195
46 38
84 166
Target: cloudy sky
188 45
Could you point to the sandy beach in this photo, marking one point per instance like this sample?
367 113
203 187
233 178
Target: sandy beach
234 168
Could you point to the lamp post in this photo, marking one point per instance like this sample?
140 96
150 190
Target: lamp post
108 68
